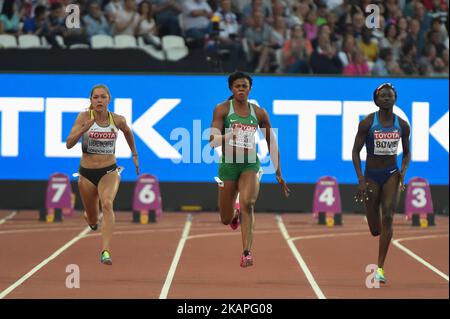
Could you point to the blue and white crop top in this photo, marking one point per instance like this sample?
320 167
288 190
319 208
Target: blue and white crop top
383 140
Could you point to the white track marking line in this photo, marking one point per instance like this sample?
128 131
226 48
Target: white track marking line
396 243
8 290
4 220
299 258
176 258
327 235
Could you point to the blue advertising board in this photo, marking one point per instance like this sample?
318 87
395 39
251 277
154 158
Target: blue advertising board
315 118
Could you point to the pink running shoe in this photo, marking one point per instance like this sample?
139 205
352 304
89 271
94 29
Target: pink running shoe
246 261
236 221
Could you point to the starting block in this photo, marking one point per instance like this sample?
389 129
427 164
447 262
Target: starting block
147 203
418 203
327 202
59 200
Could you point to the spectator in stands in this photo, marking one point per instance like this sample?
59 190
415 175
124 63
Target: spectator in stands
391 40
428 56
228 33
112 8
166 16
421 14
378 33
57 27
433 37
358 22
146 27
358 64
381 66
127 20
253 6
439 68
196 17
310 25
348 46
439 10
296 51
368 44
325 60
438 26
408 59
324 29
38 24
299 13
10 17
279 36
402 26
278 11
258 38
95 21
414 34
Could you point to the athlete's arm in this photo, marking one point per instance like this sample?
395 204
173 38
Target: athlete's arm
264 124
215 136
121 124
81 125
406 157
360 138
363 129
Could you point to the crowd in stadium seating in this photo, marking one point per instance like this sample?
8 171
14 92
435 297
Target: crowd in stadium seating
407 37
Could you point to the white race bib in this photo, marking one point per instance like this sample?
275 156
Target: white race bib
386 143
245 136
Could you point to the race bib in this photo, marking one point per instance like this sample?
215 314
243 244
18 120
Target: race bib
245 136
386 143
101 142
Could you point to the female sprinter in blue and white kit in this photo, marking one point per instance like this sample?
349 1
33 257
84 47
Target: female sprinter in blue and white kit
382 180
98 176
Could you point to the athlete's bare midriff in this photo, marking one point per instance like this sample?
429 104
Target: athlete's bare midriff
97 161
380 161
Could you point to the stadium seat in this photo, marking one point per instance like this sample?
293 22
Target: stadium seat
29 41
60 41
174 47
151 50
124 41
8 41
45 43
79 46
100 41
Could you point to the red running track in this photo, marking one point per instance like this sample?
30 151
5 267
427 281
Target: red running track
186 256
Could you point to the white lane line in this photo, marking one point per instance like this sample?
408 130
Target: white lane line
8 290
299 258
176 258
327 235
4 220
396 242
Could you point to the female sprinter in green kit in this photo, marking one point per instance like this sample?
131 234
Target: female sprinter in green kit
233 127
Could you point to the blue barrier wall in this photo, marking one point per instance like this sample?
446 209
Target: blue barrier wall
170 115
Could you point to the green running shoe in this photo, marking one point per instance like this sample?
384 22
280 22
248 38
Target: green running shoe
379 275
105 258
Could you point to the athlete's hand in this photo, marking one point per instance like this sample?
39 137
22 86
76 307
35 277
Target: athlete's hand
231 134
136 163
87 125
285 188
363 191
402 182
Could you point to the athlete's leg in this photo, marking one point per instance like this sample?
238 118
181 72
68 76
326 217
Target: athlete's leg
248 190
227 197
90 199
107 190
373 207
388 207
